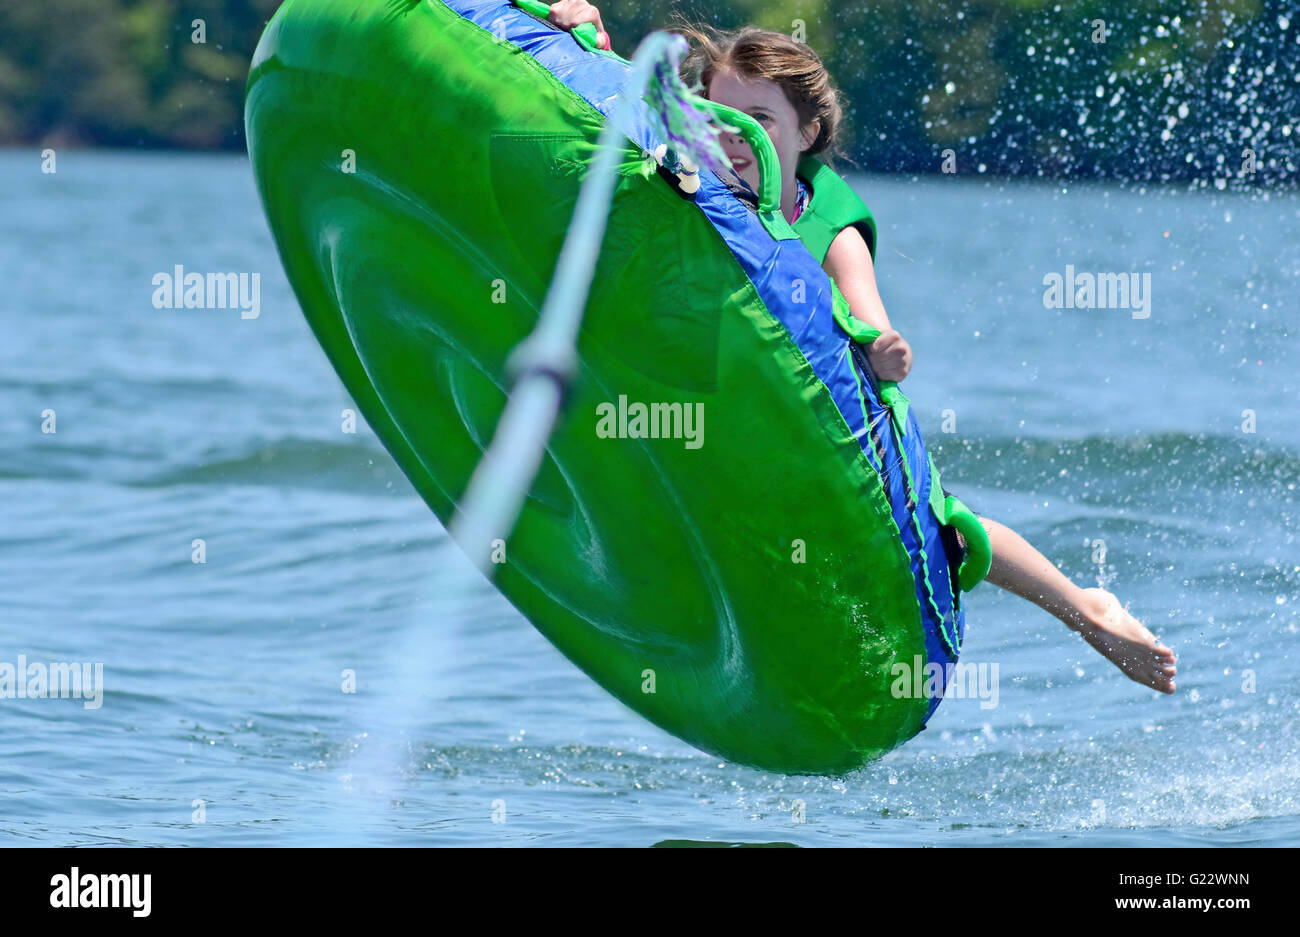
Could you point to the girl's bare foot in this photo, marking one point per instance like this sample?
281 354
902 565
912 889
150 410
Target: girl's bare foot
1094 613
1126 642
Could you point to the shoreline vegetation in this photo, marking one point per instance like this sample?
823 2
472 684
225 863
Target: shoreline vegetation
1149 91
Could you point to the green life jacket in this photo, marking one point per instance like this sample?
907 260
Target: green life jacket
834 206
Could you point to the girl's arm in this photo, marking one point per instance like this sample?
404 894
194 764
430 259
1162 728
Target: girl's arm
849 262
569 14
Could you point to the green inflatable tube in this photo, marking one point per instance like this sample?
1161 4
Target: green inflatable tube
751 576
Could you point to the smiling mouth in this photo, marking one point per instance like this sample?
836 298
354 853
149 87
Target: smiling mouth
740 163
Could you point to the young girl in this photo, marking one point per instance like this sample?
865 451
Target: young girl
782 84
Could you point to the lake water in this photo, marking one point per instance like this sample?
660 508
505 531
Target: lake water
1173 440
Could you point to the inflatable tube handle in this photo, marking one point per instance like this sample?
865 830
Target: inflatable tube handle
864 333
769 176
769 181
979 552
585 33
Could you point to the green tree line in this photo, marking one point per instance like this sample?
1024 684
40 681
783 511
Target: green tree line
1199 90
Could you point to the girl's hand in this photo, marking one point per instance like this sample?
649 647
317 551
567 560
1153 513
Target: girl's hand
568 14
890 356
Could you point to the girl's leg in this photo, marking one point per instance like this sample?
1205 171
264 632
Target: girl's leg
1094 613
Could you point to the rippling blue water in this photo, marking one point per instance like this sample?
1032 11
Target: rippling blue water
223 679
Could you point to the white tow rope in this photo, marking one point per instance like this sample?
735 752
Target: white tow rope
544 364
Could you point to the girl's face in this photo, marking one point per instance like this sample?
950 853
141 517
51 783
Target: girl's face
763 100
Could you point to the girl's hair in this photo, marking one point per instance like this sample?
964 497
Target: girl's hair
754 53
